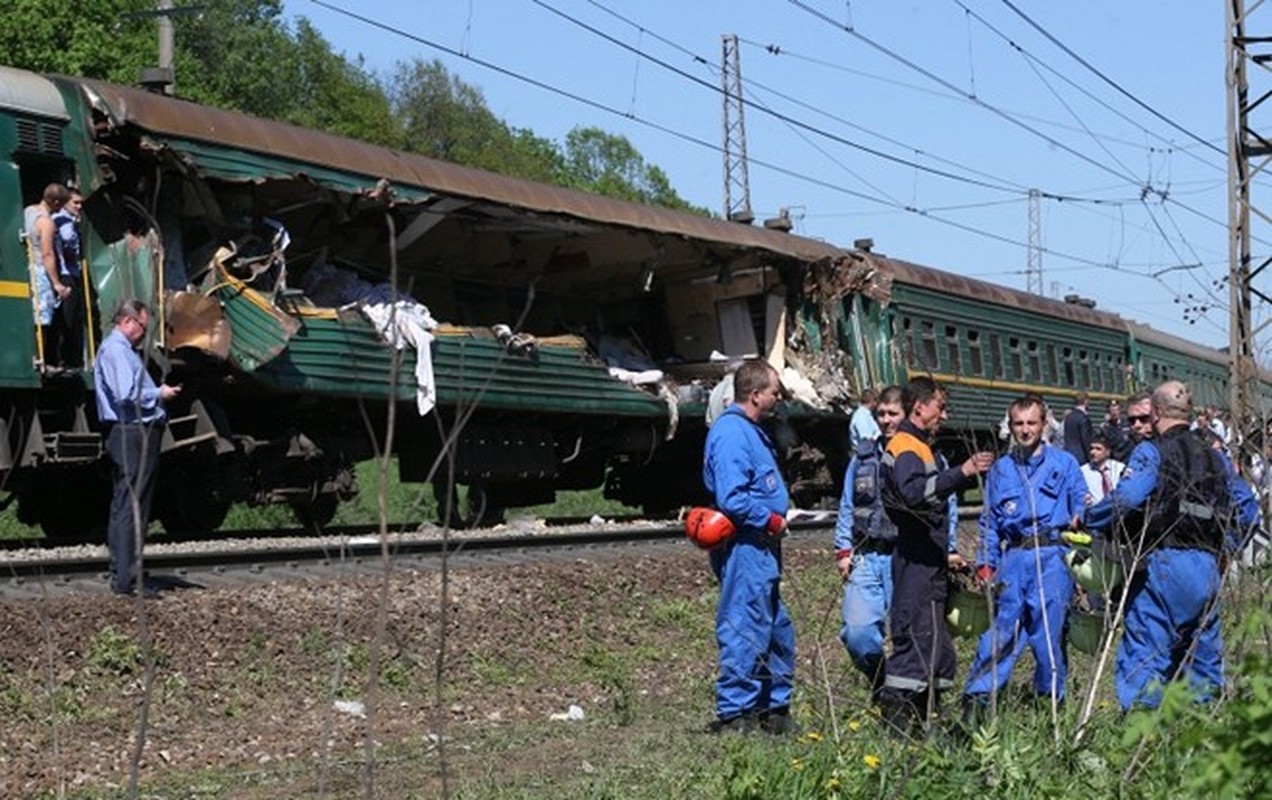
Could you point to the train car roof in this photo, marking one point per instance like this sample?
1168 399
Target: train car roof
906 272
186 120
1150 335
34 94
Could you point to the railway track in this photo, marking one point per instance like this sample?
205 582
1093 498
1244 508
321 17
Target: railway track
347 531
265 560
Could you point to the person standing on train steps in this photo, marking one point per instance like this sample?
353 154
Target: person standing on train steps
1032 494
69 316
864 540
1078 430
916 490
753 629
131 407
862 425
1102 472
47 290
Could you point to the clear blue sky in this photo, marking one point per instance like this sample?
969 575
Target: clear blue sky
923 128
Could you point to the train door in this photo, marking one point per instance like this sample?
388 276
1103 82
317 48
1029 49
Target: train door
37 171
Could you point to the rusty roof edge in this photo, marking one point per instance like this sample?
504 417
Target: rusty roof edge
952 283
184 119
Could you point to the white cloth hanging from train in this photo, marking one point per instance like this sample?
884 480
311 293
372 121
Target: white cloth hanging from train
403 323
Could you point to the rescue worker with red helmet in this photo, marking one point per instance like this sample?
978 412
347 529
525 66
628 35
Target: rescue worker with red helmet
916 491
753 629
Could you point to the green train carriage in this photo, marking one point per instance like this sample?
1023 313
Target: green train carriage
276 390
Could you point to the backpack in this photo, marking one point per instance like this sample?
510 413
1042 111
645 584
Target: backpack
1191 506
868 518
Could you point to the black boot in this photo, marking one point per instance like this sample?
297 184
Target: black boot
778 722
900 713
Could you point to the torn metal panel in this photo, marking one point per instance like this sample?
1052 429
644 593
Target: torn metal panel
260 330
194 320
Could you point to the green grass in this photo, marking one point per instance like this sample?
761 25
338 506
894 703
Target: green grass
405 502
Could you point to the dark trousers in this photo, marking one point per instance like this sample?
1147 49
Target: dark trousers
922 659
68 320
134 454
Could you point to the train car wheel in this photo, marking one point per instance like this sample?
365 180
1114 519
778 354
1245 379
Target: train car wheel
316 514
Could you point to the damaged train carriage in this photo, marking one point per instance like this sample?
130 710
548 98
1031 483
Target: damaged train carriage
556 339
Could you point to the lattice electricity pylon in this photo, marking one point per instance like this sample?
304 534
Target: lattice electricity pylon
1033 264
737 185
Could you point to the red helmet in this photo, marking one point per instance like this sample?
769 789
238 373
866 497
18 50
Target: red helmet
707 527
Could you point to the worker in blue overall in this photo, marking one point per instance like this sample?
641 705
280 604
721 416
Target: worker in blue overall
1174 516
1032 494
916 492
864 539
753 630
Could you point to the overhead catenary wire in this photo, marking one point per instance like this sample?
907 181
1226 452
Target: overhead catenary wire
1037 62
849 30
1116 86
545 86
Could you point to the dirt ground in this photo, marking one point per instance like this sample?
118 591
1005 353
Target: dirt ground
255 691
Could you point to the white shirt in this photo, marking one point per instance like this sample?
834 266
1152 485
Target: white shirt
1095 485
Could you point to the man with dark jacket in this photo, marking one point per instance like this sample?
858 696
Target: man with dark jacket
916 489
1078 431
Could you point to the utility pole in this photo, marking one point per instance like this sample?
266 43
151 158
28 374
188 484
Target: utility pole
163 77
737 184
1249 154
1033 265
167 34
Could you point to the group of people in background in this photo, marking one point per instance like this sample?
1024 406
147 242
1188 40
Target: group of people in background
52 232
1154 487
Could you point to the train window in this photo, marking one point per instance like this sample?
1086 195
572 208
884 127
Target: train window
977 364
927 350
1049 364
1097 373
1066 355
1084 368
1035 361
1119 375
1016 361
951 345
996 356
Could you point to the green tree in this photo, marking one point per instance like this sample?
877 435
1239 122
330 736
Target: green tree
609 164
236 54
445 118
90 39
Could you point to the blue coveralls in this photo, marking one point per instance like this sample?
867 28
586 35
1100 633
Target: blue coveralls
753 630
1172 607
916 496
1027 505
868 590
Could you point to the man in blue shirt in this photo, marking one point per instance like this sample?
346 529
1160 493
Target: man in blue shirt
753 630
1031 495
131 407
862 425
69 315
